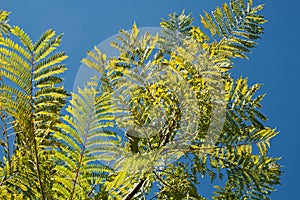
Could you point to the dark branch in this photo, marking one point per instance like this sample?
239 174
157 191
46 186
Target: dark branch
136 188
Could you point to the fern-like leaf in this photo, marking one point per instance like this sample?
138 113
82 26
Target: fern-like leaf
4 26
31 97
237 25
175 30
87 143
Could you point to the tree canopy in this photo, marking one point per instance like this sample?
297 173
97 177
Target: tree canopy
156 119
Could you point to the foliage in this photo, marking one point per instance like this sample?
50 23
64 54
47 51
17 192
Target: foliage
85 142
119 136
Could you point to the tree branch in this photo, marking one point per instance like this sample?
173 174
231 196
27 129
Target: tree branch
136 188
172 125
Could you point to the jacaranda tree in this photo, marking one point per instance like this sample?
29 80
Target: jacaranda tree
152 123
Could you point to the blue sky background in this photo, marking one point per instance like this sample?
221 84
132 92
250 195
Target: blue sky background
274 63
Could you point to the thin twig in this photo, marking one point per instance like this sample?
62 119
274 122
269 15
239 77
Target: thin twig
162 181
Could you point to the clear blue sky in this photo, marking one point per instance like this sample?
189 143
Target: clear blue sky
274 63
